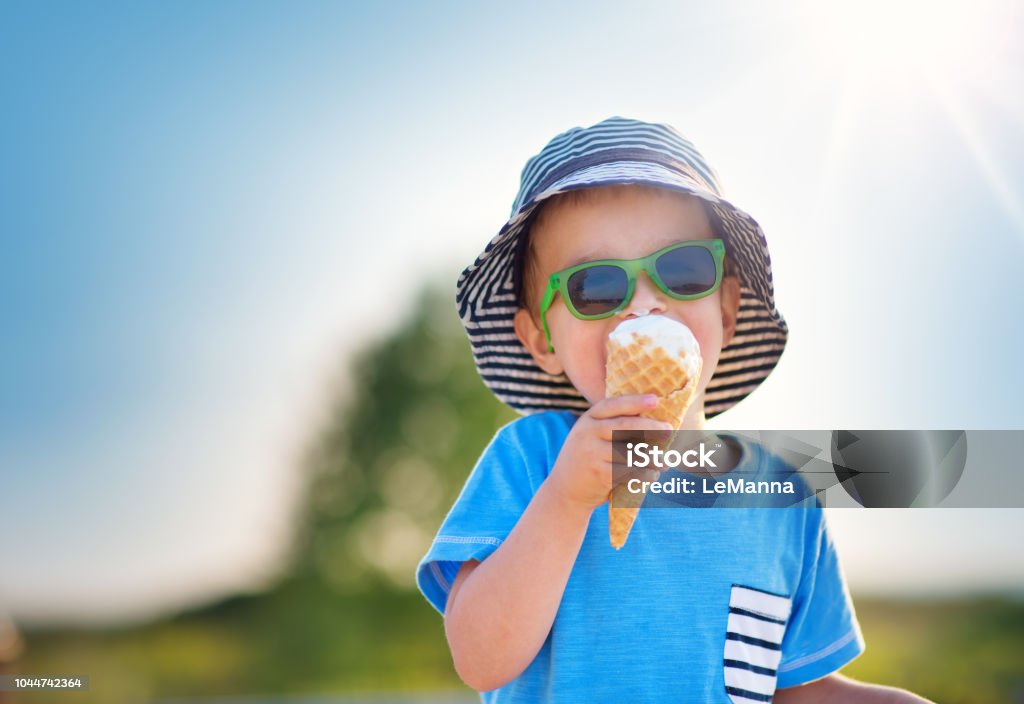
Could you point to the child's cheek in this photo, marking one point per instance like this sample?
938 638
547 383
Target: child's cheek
583 353
711 350
704 320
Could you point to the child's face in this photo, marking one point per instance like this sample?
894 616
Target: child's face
620 222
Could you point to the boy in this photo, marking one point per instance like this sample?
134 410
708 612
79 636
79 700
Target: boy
707 605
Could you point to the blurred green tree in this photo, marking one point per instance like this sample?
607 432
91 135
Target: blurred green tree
395 453
408 424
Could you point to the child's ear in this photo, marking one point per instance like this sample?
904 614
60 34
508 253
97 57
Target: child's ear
534 340
730 307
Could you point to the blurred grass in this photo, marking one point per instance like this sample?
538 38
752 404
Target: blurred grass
345 615
968 651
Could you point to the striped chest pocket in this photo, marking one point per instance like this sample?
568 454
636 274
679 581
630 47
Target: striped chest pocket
753 643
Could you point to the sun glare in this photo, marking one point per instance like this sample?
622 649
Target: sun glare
927 55
883 40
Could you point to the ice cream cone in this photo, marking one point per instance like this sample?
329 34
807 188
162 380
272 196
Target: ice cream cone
649 355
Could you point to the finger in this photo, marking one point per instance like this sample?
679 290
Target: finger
631 405
640 429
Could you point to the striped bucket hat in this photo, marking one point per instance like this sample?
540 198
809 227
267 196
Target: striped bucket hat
616 151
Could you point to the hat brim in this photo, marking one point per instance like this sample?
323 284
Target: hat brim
486 300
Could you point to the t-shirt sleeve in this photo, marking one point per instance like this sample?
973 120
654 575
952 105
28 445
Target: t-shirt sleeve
493 498
823 634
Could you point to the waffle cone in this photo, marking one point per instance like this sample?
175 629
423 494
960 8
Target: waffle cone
641 367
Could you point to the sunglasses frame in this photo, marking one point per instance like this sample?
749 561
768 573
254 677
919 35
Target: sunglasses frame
558 282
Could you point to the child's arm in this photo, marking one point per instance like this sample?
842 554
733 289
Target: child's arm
838 689
499 611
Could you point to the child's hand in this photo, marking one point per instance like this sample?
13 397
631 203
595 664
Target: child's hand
582 475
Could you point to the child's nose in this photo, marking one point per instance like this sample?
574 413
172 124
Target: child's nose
647 299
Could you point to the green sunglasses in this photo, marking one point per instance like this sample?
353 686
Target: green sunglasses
601 288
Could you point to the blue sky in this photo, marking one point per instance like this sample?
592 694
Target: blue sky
195 198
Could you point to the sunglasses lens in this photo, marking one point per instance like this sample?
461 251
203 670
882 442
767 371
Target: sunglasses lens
687 271
597 289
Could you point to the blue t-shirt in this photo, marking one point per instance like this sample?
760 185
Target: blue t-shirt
709 605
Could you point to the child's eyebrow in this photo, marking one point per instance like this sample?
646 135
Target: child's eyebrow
574 262
583 259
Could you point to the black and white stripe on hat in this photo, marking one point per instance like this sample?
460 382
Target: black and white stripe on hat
617 151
